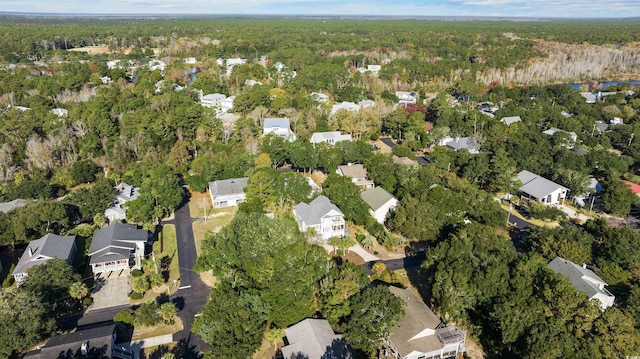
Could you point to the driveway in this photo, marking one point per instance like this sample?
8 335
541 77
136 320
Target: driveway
111 290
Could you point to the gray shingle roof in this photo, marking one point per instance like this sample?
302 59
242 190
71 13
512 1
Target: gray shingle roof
536 186
116 241
576 275
8 206
458 143
511 119
45 248
353 170
376 197
99 344
314 339
313 212
228 187
276 122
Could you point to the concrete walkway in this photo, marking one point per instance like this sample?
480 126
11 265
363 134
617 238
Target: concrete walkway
572 213
366 256
137 345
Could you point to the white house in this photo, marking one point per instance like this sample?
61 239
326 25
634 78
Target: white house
157 65
380 203
124 194
616 121
329 137
595 187
509 120
459 143
226 104
374 69
60 112
279 127
114 64
319 96
553 130
315 339
406 97
117 247
420 334
250 82
190 60
589 97
366 103
41 250
541 189
227 193
584 280
344 106
231 63
323 216
357 173
212 100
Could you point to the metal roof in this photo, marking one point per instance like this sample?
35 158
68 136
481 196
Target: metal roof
376 197
276 123
537 186
228 186
511 119
9 206
353 170
576 275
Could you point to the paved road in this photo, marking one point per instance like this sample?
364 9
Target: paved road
519 222
400 263
193 293
388 141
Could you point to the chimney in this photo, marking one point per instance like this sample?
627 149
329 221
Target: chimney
30 252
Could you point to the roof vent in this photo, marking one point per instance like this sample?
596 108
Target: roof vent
84 348
30 252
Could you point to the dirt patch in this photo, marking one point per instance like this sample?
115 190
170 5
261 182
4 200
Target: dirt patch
349 257
474 351
154 331
92 50
208 278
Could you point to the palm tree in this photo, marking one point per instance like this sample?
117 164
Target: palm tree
78 290
168 311
274 336
156 280
140 284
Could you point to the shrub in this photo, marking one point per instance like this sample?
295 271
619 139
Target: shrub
148 314
87 301
403 151
8 281
544 212
136 273
126 316
136 295
84 171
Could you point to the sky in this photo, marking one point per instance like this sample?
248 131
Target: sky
495 8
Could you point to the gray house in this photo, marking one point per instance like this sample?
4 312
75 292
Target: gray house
41 250
584 280
95 343
227 193
324 217
314 339
6 207
421 334
114 246
541 189
124 194
380 203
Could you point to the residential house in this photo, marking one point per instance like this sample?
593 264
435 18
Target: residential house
279 127
601 126
6 207
226 104
635 188
420 334
314 339
404 161
319 96
324 217
541 189
228 121
584 280
227 193
510 120
589 97
344 106
190 60
594 188
380 203
366 103
95 343
60 112
157 65
250 82
487 107
231 63
459 143
553 130
124 193
41 250
279 66
212 100
329 137
566 114
21 108
616 121
357 173
374 69
406 97
114 64
114 246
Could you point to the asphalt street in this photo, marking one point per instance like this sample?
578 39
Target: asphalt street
400 263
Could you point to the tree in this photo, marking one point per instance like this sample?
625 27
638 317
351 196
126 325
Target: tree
92 201
617 197
140 284
156 280
346 195
51 281
274 336
167 312
84 171
375 312
78 290
148 313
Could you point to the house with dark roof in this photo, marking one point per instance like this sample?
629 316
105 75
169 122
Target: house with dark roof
6 207
124 193
227 193
92 343
380 203
329 137
541 189
421 334
324 217
314 339
117 247
357 173
41 250
584 280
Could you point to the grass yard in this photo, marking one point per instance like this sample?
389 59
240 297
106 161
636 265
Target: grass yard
199 203
154 331
216 219
537 222
165 250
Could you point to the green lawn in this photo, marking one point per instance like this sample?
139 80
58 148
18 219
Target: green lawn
216 219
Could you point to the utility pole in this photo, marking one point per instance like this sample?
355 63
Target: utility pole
204 207
630 139
509 214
